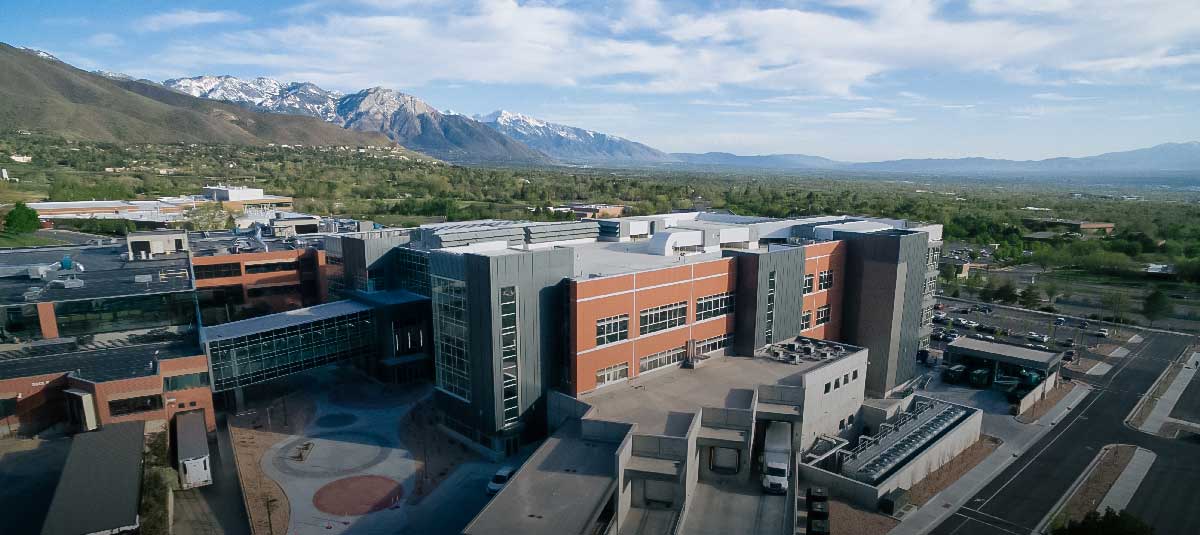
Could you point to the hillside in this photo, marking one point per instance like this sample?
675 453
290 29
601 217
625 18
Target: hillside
569 143
53 97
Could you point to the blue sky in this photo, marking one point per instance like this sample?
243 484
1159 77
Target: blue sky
848 79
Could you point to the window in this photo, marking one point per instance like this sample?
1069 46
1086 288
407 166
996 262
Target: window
724 460
184 382
769 332
854 374
182 405
927 316
191 403
806 320
509 339
827 385
808 284
269 291
714 305
216 271
660 359
825 282
837 383
612 374
452 364
122 407
932 256
823 315
850 420
841 424
610 330
414 270
708 345
663 317
271 267
930 285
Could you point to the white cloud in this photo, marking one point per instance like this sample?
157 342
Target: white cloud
647 46
184 18
869 114
1058 97
104 40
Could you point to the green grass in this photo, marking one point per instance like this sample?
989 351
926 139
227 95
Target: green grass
25 240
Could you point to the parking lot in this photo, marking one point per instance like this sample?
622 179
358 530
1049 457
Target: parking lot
1028 329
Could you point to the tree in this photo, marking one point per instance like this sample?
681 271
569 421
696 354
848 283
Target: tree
988 293
1006 293
1110 523
1046 258
1117 302
1156 306
1029 297
1051 291
21 219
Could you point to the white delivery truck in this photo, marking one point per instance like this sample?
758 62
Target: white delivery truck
777 458
191 448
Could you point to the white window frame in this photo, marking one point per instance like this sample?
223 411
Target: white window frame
661 318
614 326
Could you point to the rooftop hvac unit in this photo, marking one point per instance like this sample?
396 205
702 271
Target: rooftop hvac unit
143 278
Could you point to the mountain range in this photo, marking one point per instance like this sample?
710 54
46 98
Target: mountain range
408 120
41 92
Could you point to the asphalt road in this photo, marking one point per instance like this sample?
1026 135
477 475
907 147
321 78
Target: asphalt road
1017 499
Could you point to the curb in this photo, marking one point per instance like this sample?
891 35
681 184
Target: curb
1087 472
1146 396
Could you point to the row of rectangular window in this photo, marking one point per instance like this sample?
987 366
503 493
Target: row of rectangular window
612 374
612 329
663 317
844 380
823 315
824 281
708 345
662 358
714 305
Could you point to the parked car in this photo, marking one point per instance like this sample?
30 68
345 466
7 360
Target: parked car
954 374
1102 333
1067 342
939 316
1083 324
942 320
499 479
1069 355
1060 321
939 306
950 337
1042 347
963 310
1038 337
959 322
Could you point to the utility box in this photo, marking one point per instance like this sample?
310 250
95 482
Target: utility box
191 447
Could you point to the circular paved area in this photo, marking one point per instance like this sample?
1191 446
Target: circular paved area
369 396
339 419
338 453
358 495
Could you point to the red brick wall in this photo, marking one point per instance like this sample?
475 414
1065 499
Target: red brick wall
39 401
594 299
820 257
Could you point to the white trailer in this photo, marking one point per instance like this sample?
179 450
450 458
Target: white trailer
777 456
191 447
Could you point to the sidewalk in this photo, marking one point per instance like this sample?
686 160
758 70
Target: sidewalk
1128 482
1161 413
946 502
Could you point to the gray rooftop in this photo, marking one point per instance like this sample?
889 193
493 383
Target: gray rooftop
1022 356
281 320
105 274
191 435
96 364
661 402
600 259
100 485
559 490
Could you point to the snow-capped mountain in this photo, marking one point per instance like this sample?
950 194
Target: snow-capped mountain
569 143
297 98
118 76
404 118
415 124
40 53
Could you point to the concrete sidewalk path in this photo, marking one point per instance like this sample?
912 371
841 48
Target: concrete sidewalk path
1165 404
1128 482
947 502
1100 368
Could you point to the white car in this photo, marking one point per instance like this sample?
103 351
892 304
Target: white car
1102 333
971 323
499 479
1038 337
939 315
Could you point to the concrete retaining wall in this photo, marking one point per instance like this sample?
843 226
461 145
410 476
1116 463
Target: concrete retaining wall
1038 393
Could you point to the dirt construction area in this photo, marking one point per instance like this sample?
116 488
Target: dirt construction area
331 452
